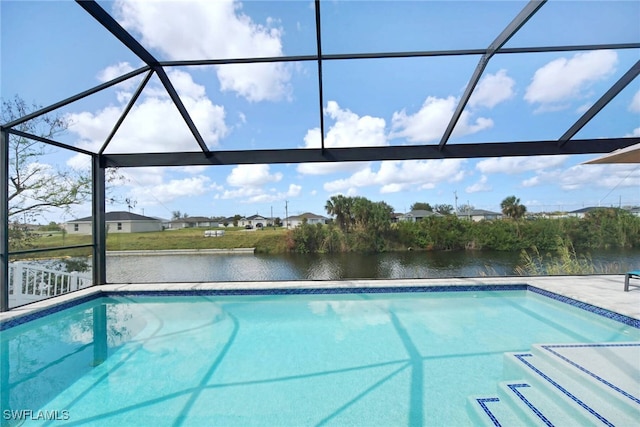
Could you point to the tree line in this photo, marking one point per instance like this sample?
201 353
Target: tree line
361 225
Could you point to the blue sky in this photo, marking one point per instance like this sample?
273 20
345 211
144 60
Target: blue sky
53 49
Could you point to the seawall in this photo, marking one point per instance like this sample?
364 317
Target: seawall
240 251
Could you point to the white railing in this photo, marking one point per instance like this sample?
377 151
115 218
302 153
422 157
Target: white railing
29 282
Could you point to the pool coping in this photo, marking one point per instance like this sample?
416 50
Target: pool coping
602 295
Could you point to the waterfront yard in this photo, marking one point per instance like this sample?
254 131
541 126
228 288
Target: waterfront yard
264 240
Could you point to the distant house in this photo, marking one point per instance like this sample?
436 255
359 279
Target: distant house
227 222
479 215
395 217
417 215
24 227
193 222
634 211
254 221
117 222
311 218
580 213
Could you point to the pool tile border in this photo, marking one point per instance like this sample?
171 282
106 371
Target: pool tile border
587 307
550 348
321 291
514 389
36 314
482 401
522 357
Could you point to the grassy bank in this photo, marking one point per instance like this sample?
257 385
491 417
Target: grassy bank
264 241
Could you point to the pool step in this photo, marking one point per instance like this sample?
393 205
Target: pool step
491 411
519 403
573 384
611 371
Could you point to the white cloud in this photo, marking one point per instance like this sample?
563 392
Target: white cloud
430 122
213 29
113 71
250 182
634 107
635 132
348 130
531 182
154 124
395 176
516 165
142 177
583 108
252 176
564 79
492 90
362 178
193 170
169 191
243 192
80 162
294 190
588 176
123 89
259 195
480 186
351 130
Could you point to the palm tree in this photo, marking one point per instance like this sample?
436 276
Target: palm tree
340 206
512 208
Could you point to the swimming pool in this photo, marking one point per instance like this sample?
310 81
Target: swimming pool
310 358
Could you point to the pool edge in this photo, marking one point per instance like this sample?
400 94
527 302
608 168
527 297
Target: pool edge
27 313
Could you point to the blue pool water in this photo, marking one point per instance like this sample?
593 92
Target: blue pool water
281 360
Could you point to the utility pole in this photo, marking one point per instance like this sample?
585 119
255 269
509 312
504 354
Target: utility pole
286 214
273 225
455 194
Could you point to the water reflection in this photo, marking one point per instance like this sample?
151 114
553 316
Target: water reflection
260 267
42 358
354 315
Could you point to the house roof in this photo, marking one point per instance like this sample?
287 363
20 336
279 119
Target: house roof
479 212
255 217
585 210
307 215
118 216
190 219
421 213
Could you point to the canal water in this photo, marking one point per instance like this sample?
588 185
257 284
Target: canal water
395 265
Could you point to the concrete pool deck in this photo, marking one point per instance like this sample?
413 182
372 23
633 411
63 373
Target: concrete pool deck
604 291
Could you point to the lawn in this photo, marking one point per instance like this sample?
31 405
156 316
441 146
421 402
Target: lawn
263 240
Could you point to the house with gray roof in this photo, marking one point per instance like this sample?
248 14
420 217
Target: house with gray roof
635 211
417 215
117 222
193 222
580 213
311 218
479 215
255 221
